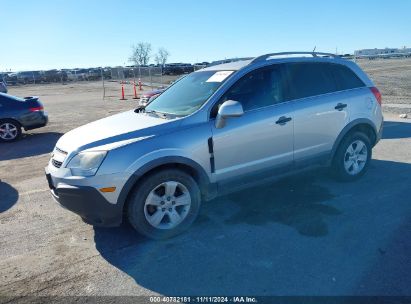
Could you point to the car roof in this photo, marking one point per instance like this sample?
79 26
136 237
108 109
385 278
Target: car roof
236 65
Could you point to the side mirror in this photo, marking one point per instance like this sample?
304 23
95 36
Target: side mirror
230 108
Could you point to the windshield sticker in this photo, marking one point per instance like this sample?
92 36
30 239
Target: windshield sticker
219 76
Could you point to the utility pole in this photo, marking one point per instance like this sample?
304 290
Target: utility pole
102 79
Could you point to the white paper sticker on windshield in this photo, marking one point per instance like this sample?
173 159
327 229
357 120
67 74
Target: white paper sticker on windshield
219 76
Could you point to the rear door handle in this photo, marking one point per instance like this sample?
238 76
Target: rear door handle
340 106
283 120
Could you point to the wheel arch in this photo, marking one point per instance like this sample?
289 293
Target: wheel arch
12 119
359 125
175 162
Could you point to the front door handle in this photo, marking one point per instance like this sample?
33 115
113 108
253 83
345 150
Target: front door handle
340 106
283 120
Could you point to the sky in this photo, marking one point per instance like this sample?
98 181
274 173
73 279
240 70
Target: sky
47 34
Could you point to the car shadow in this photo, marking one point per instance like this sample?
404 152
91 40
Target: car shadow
8 196
30 144
298 204
285 238
295 202
396 129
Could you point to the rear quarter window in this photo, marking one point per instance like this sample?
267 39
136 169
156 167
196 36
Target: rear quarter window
345 78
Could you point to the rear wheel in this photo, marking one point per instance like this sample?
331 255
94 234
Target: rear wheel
352 157
10 130
165 204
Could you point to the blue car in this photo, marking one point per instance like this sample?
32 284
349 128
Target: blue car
20 113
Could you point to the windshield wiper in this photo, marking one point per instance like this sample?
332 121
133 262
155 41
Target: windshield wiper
142 109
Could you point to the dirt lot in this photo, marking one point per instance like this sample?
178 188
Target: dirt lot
393 78
306 235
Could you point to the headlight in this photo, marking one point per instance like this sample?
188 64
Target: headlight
86 163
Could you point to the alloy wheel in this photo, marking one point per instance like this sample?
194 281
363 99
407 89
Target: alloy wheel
355 157
167 205
8 131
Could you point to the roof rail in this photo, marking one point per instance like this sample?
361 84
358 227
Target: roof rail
217 62
314 54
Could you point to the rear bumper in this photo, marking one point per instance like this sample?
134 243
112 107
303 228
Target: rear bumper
379 133
35 120
88 203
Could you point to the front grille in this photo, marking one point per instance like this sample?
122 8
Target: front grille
56 163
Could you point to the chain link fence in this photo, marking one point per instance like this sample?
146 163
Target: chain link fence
108 79
149 75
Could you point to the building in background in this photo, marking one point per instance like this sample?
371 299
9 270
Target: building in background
383 53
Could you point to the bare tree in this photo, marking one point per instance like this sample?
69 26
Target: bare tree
161 56
140 53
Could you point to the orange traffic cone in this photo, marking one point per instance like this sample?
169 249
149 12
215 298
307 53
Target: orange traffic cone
122 92
135 90
140 85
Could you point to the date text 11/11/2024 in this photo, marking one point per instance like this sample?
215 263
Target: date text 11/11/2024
203 300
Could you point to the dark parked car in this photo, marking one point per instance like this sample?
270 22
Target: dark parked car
145 98
3 85
178 69
173 69
187 68
54 76
94 74
17 113
29 77
11 78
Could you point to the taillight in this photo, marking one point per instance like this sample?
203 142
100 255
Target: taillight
377 94
36 109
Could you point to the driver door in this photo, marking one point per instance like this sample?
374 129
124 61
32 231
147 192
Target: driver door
262 138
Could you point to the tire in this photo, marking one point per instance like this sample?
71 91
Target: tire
149 201
10 130
349 165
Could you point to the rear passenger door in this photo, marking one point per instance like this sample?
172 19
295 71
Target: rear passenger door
321 109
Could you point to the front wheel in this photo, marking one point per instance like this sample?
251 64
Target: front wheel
352 157
165 204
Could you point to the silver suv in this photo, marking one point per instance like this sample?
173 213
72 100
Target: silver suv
217 130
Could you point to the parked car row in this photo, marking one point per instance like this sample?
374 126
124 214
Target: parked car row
26 77
64 75
48 76
178 69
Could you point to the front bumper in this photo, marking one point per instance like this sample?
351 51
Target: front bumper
87 202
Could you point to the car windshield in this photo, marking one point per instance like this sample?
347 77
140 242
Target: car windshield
189 94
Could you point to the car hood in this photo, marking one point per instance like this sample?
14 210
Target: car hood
122 127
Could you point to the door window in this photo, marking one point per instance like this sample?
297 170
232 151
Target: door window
258 89
309 79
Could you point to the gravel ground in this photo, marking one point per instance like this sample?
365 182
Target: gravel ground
306 235
393 78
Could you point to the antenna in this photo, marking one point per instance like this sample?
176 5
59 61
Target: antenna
314 49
